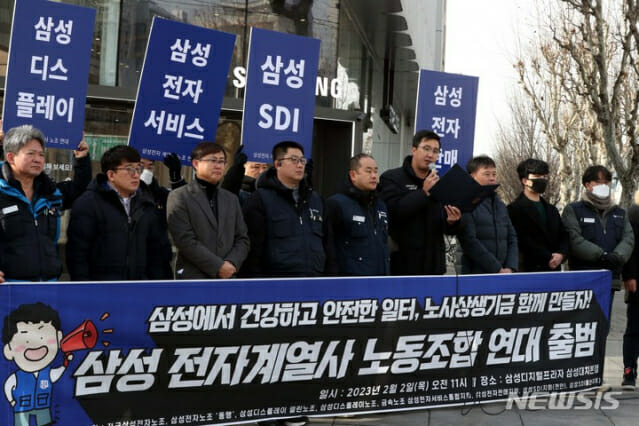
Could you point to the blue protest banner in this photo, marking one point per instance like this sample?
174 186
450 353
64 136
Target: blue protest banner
232 351
48 69
279 102
446 104
181 89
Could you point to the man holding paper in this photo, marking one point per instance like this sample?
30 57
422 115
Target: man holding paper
417 221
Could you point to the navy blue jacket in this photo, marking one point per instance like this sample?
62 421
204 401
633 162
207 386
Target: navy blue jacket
488 239
106 244
29 231
359 226
288 238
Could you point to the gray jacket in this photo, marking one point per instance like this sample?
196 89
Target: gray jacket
488 239
204 242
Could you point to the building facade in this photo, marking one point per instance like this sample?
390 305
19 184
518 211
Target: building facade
370 55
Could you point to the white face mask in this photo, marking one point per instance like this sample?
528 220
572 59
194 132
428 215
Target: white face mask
146 176
601 191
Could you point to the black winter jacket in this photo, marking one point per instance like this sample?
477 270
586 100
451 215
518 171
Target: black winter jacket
105 244
417 223
488 239
359 226
537 241
29 230
287 238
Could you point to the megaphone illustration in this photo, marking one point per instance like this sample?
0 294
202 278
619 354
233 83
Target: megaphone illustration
84 336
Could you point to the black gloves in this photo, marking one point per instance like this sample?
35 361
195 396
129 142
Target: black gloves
611 261
240 159
172 162
234 176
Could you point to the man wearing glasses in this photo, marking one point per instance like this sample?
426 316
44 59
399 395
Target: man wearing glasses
417 222
285 220
113 232
206 221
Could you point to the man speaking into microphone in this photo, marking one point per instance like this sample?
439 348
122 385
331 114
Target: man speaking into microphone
418 222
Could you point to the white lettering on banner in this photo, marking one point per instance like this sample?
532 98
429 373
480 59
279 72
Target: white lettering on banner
568 342
271 71
184 319
443 94
321 85
131 373
294 71
349 311
199 54
282 120
63 30
475 306
444 126
422 352
277 362
40 65
283 314
514 345
448 157
169 122
47 105
173 87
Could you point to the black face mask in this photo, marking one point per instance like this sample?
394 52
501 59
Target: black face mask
539 185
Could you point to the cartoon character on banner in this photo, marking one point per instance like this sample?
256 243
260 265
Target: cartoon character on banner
32 336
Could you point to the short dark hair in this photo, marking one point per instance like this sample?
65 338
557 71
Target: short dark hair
534 166
33 313
203 149
280 148
478 162
594 172
353 163
425 134
114 157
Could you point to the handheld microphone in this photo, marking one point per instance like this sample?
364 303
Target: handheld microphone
432 167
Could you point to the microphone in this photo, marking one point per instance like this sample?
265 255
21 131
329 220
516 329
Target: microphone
432 167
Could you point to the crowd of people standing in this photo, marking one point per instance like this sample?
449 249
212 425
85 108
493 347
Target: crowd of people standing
273 224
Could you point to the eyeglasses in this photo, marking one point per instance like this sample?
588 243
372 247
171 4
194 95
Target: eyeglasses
219 162
428 149
132 170
296 160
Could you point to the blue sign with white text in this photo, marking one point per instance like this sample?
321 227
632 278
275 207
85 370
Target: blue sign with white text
48 70
181 89
279 102
237 351
446 104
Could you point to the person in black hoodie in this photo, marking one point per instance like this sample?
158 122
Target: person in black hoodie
359 221
285 219
417 222
113 231
541 236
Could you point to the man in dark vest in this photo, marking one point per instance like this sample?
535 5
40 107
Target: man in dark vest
358 220
285 220
600 233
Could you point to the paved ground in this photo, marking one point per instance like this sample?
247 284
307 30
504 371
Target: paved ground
495 414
